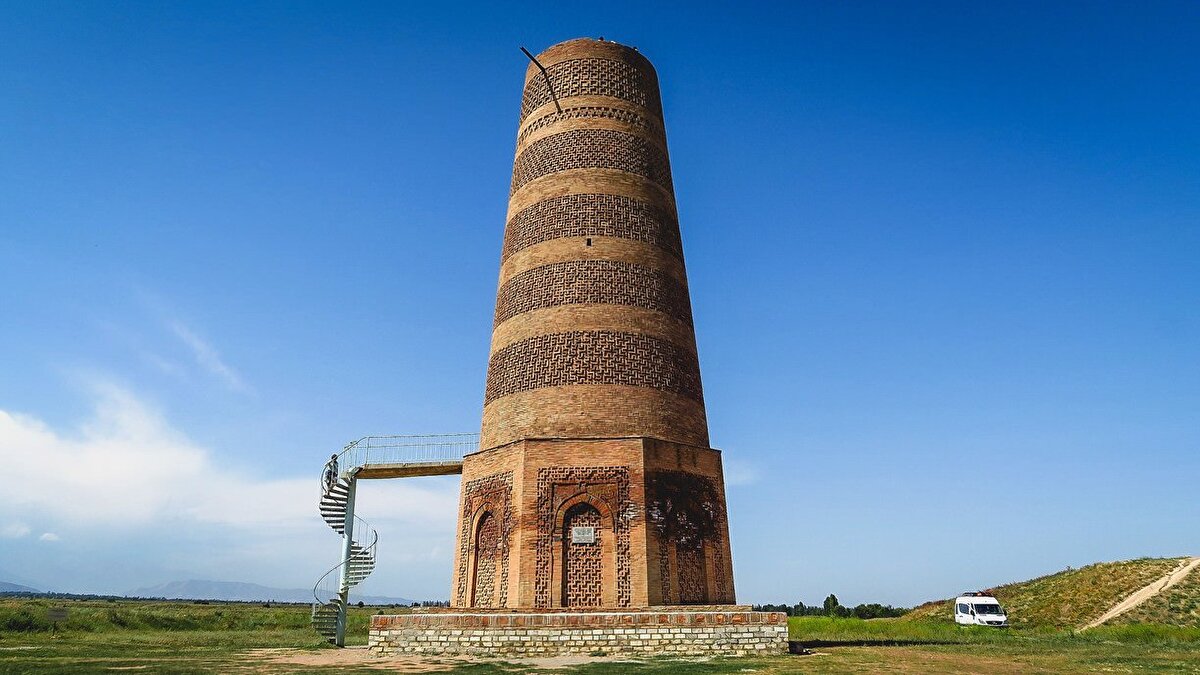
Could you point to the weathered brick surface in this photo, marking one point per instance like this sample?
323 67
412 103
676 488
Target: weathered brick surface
593 357
559 319
593 282
548 477
593 396
587 112
592 148
602 248
615 74
594 411
592 215
694 633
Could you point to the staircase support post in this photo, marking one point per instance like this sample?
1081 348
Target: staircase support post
347 552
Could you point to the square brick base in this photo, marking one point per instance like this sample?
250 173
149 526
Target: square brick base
731 631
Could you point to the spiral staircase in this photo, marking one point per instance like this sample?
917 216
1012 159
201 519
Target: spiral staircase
370 457
329 609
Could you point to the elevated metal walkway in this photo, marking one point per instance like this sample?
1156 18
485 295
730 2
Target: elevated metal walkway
371 457
407 456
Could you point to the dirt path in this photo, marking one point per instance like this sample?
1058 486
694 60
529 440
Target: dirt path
1148 591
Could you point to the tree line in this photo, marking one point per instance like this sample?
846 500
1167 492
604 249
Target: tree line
831 607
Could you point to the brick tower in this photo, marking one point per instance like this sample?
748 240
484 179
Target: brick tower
594 486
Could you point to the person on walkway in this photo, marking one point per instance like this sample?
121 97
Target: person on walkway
331 473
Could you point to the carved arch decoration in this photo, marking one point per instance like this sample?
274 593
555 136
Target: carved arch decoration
585 568
485 558
605 488
486 496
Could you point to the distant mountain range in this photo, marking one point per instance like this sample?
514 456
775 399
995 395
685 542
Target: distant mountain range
8 587
196 589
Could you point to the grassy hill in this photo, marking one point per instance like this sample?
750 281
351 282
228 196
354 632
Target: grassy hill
1073 597
1179 605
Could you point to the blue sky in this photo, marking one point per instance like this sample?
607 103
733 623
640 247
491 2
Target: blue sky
942 259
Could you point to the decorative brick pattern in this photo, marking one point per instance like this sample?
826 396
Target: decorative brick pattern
487 542
682 633
622 115
593 357
593 282
592 149
592 77
691 547
494 490
548 501
592 215
583 573
724 592
692 578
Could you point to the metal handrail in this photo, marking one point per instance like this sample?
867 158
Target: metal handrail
423 449
370 548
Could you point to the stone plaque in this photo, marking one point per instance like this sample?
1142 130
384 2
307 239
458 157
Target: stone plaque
583 535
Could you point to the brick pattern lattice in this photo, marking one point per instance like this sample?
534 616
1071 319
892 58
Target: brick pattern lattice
496 492
487 541
592 112
592 77
690 565
587 475
723 591
583 574
592 149
592 215
593 282
692 585
593 357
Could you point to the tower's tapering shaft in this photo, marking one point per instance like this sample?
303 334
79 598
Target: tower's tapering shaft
594 486
593 332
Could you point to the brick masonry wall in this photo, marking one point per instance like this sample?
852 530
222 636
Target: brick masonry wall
695 633
548 476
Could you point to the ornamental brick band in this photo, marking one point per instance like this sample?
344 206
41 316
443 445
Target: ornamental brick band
593 357
592 148
593 282
695 633
595 112
592 77
592 215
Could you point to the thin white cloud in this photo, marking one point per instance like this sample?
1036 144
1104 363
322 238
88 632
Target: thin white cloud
14 530
164 366
48 536
207 357
740 472
126 485
126 466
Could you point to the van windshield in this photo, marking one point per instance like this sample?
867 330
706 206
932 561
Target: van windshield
987 608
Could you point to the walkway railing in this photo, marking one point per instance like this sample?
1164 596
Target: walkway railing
388 450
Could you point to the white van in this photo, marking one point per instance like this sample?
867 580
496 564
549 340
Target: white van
979 609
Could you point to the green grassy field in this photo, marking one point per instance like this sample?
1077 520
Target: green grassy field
177 637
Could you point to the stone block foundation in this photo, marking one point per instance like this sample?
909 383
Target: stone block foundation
545 633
